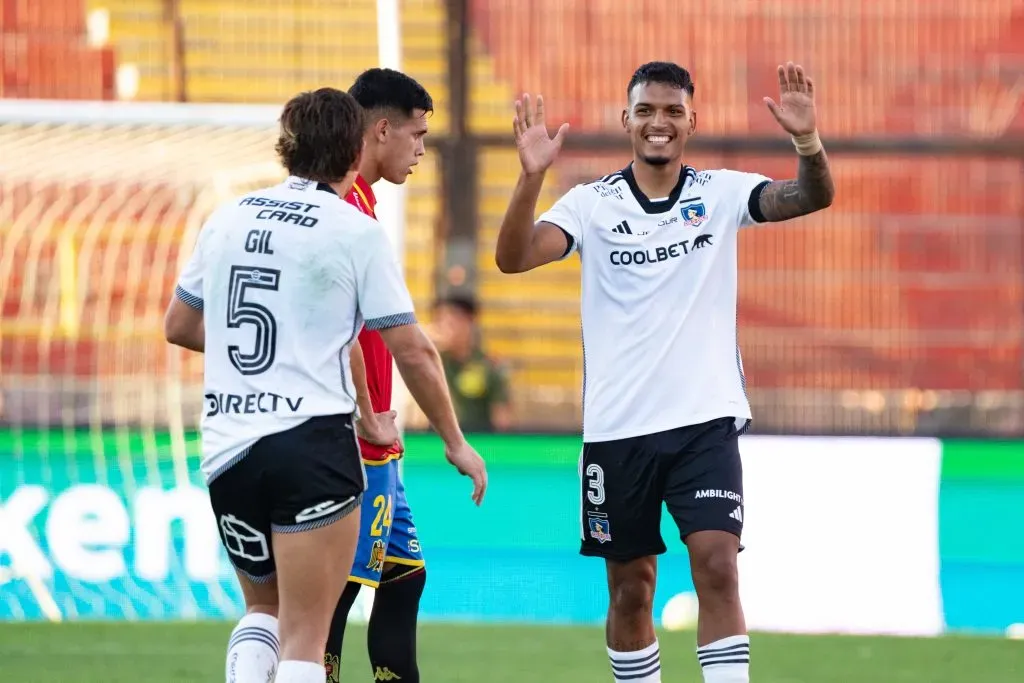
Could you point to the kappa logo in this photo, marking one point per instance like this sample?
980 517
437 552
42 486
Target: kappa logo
385 674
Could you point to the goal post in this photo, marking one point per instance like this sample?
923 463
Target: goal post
391 198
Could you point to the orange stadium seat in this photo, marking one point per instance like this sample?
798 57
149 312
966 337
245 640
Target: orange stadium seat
53 17
43 54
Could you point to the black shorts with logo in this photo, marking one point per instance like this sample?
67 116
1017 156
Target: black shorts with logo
303 478
695 470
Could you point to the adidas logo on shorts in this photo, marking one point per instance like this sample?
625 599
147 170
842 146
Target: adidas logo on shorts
737 514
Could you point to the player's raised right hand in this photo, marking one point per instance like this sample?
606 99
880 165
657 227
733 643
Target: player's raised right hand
469 463
537 150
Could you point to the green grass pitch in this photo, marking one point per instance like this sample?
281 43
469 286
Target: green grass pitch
193 653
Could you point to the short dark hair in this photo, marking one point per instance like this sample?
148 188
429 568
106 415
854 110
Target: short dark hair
390 90
321 135
666 73
463 303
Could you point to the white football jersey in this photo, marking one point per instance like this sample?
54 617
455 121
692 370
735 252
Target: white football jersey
658 306
286 277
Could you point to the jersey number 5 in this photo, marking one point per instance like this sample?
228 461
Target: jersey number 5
242 312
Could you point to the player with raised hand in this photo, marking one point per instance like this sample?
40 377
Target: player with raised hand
664 397
278 285
389 557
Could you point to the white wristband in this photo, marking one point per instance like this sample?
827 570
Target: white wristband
807 145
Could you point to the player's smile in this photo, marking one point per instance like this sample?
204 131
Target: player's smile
660 139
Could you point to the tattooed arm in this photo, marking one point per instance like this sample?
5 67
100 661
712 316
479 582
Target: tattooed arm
811 190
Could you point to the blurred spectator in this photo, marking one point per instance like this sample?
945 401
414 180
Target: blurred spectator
479 386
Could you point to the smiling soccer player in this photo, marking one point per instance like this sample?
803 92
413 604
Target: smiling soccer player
664 399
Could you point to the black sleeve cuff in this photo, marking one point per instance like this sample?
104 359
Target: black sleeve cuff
570 241
754 203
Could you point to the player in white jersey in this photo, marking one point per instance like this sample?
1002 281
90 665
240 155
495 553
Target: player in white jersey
278 286
664 400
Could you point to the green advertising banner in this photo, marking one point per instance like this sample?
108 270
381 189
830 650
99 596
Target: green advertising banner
981 534
115 524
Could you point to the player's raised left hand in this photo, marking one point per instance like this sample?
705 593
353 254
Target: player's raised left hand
795 110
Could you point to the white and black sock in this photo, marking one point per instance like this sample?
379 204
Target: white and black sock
253 650
726 660
642 666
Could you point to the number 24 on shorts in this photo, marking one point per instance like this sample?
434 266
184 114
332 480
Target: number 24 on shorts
383 516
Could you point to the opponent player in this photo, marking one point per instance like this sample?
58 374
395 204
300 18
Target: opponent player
664 393
279 283
389 557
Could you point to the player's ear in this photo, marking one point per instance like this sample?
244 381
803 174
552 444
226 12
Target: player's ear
625 120
693 122
381 129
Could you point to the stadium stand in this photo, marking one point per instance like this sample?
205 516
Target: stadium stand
887 291
892 289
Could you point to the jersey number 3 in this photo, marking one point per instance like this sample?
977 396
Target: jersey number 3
595 482
242 312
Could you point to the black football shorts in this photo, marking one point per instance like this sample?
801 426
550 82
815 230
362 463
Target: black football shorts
695 470
303 478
